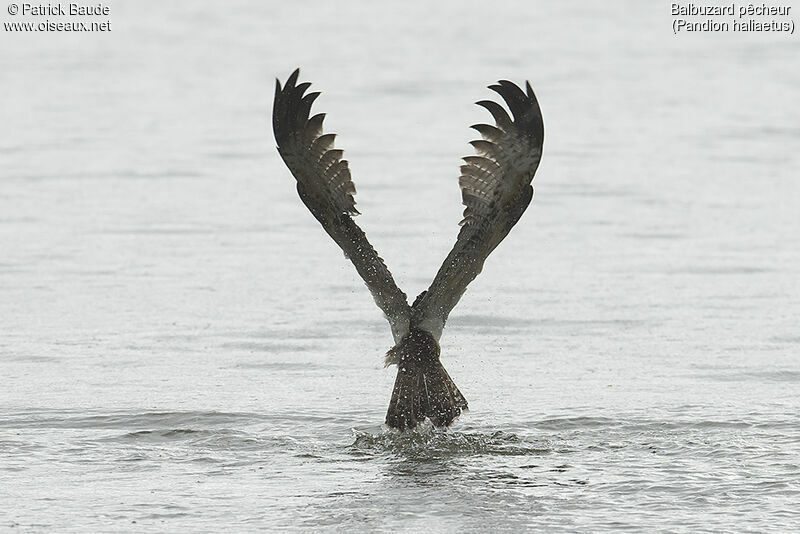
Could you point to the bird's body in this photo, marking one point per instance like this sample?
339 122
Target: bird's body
496 190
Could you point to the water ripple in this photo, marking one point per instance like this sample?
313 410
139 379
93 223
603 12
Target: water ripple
430 442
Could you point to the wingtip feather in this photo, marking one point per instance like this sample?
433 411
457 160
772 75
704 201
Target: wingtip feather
292 79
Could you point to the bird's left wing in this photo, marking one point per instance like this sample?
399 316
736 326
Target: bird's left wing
325 187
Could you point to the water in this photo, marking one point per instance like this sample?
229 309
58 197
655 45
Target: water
183 348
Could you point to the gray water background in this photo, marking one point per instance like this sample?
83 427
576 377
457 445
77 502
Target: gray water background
183 348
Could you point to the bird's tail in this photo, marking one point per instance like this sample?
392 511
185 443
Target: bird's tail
422 388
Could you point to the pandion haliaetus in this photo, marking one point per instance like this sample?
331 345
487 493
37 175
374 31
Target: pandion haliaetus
496 189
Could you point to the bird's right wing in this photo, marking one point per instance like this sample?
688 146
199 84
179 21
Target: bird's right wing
325 187
496 189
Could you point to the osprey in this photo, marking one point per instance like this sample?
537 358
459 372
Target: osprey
495 188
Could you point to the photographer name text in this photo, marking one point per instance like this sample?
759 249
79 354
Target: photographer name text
63 10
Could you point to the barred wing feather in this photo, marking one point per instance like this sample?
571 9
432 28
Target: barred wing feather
326 188
496 190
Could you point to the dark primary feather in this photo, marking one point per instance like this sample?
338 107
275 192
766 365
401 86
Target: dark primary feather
307 151
326 188
496 189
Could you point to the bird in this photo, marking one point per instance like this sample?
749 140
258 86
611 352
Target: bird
496 189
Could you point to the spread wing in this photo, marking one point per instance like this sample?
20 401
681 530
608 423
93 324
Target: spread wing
325 187
496 189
